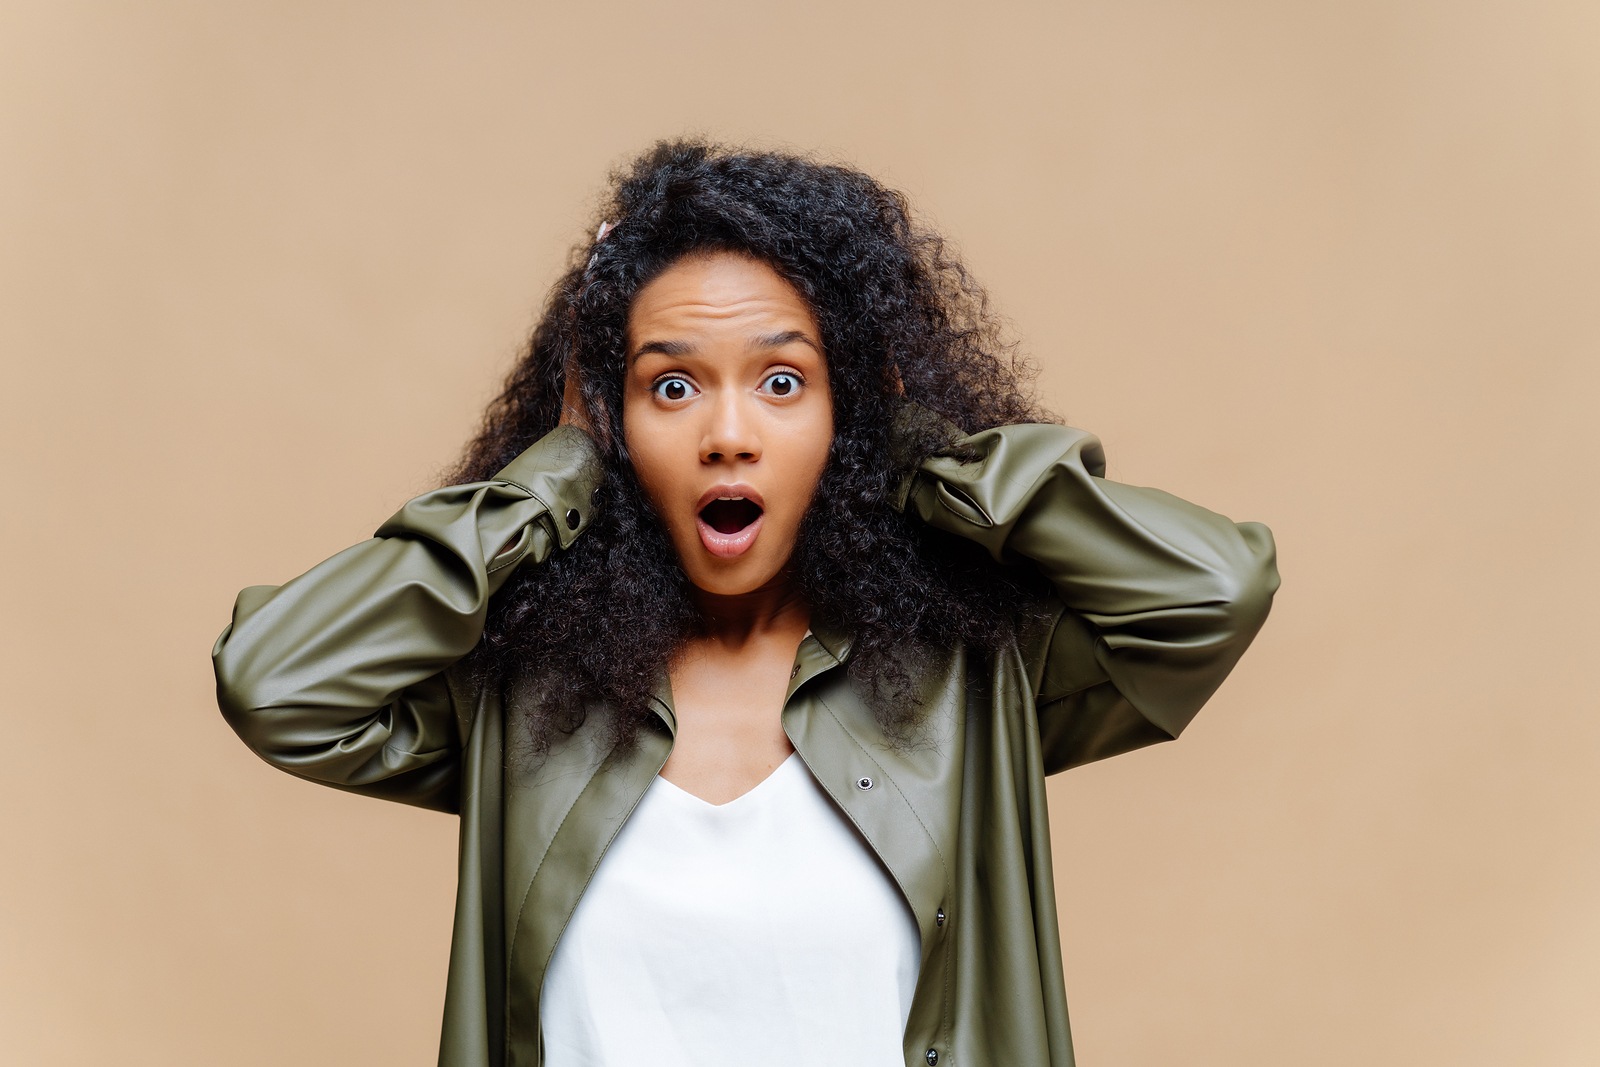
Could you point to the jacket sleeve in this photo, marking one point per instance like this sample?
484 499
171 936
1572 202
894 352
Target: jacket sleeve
1158 598
338 676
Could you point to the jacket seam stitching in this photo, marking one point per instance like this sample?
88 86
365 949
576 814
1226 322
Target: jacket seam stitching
1044 702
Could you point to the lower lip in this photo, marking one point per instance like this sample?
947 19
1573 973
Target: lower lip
727 545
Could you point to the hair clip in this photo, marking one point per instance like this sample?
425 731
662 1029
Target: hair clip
599 235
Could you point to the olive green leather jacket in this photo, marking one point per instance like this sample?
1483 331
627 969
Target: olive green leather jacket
343 676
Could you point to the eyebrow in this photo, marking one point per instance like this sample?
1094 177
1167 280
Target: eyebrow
766 340
778 340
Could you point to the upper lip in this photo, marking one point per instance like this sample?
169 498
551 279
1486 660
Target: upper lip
736 491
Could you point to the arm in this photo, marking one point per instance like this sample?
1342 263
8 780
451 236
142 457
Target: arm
339 676
1158 597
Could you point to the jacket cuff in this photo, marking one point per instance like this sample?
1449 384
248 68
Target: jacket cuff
562 470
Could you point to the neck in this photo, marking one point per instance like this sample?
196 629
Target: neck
775 609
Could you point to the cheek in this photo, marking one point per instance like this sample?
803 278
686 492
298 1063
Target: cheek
821 445
665 470
644 453
631 417
806 462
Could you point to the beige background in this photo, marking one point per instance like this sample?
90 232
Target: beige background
1330 266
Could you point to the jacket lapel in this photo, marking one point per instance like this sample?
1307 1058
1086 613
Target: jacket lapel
565 813
901 798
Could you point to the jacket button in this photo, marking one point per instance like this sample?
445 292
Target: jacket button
938 917
573 518
863 783
932 1057
794 670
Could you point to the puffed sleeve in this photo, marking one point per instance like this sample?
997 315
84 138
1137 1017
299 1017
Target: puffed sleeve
338 676
1158 597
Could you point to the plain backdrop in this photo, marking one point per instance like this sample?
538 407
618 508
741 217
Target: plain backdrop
1328 266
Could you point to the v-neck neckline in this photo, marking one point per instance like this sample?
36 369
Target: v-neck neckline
704 803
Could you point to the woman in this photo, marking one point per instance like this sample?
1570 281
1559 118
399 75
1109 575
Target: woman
742 642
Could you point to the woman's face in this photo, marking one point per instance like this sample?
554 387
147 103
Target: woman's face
727 415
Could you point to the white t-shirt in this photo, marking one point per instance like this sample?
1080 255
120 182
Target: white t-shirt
760 931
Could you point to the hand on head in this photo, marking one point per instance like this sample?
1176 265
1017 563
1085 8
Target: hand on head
574 412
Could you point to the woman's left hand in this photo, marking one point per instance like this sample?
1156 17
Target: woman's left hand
574 412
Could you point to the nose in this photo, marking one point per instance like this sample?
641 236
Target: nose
730 431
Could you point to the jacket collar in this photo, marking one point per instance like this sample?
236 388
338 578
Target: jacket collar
825 647
835 640
905 802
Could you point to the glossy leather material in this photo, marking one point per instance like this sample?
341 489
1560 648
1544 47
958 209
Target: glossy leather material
343 675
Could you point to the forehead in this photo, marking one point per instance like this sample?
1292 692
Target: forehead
717 293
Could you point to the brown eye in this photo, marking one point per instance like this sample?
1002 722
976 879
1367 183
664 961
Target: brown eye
783 384
672 389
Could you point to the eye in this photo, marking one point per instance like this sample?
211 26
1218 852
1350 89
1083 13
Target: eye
672 389
783 383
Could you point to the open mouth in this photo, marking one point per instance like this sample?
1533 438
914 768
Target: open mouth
729 520
730 515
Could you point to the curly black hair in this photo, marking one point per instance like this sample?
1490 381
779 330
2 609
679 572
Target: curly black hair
901 320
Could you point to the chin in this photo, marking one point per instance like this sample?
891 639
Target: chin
737 584
716 577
